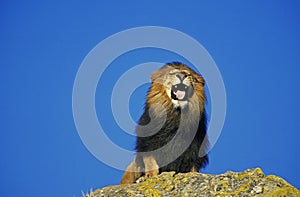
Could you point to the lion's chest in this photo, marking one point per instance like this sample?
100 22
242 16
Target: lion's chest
173 125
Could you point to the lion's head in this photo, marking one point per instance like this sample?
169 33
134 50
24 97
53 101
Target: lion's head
175 85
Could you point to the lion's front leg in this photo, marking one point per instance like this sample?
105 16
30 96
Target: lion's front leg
194 169
151 166
132 173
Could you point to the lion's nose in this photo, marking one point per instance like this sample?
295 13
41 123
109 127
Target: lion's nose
181 76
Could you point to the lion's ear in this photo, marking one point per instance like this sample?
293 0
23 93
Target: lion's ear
199 79
155 75
158 76
202 81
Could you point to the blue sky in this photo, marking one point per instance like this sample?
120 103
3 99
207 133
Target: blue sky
254 43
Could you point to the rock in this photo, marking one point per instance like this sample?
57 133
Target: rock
251 182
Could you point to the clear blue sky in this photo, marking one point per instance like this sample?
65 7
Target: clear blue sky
256 45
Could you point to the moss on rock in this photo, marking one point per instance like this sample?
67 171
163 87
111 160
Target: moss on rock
251 182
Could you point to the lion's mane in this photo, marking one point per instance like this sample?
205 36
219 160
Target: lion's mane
169 120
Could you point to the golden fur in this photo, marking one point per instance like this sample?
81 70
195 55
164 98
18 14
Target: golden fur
164 78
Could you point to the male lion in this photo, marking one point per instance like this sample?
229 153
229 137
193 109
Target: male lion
172 130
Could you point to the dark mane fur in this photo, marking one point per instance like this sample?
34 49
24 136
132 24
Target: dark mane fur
190 157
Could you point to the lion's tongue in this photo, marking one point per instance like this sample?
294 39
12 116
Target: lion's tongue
179 94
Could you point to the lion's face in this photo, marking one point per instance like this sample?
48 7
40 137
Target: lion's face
179 84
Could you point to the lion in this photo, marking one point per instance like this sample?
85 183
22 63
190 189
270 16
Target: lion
171 133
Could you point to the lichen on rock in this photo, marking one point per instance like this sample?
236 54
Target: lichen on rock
251 182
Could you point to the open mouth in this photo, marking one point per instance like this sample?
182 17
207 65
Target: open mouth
179 92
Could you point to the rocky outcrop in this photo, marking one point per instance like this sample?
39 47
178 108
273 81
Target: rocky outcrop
251 182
